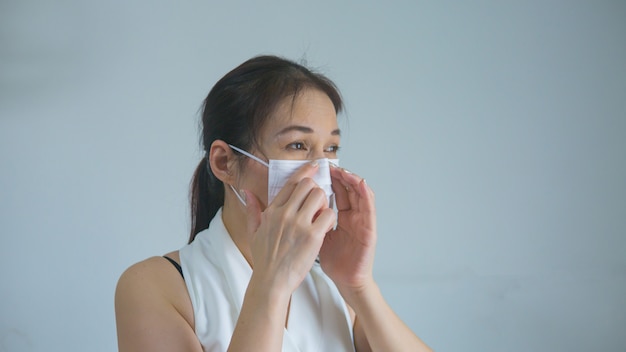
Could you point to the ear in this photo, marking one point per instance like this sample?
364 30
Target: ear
222 161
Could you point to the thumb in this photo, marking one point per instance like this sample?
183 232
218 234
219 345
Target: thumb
253 211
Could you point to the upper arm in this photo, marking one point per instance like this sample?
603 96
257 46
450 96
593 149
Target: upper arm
148 312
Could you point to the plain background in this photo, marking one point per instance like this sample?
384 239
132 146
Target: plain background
493 133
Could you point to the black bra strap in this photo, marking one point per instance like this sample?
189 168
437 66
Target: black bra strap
176 265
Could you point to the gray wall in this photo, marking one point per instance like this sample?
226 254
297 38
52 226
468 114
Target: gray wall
492 133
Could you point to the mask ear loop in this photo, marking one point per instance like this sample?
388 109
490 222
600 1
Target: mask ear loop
249 155
243 201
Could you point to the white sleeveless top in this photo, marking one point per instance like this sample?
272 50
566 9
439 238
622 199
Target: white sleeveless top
217 276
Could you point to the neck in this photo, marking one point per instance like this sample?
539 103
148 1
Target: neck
235 221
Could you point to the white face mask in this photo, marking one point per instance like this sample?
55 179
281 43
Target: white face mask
280 171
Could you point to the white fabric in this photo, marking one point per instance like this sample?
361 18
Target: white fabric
217 275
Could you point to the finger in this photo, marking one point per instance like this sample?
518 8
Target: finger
306 170
325 221
350 177
366 200
313 204
344 186
308 193
355 194
339 188
349 189
253 211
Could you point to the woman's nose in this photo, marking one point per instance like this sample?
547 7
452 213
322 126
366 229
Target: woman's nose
318 154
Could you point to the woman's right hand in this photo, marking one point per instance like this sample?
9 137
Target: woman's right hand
288 234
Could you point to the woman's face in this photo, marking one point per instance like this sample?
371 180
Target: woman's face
301 129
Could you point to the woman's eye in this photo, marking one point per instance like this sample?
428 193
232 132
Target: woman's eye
296 146
332 149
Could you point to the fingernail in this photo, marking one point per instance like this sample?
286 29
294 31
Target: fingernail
364 182
346 171
314 163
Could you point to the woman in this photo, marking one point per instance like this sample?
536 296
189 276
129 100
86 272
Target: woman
270 265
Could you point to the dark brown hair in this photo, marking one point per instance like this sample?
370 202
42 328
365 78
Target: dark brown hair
236 109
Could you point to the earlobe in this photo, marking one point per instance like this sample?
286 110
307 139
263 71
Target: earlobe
222 161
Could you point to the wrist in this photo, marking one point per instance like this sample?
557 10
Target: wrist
267 292
261 321
359 295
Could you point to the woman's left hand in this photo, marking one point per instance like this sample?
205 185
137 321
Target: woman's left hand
347 255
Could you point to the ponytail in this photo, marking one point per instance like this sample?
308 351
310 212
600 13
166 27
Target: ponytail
207 197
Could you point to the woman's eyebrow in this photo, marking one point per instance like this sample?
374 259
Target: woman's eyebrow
304 129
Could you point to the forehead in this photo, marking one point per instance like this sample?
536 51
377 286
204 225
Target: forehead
310 107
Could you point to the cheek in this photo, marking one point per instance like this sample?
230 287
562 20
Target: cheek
254 179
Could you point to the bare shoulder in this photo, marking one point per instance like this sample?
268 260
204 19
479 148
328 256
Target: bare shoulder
152 308
152 270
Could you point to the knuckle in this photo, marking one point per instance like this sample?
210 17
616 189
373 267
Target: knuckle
308 182
286 214
318 193
302 171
